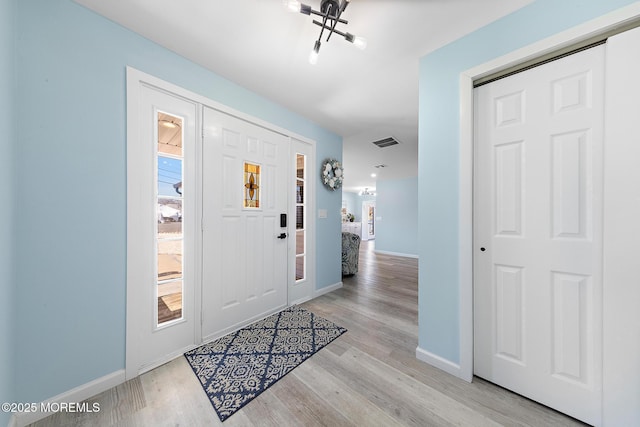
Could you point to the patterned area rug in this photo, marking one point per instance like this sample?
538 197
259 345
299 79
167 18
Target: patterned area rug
238 367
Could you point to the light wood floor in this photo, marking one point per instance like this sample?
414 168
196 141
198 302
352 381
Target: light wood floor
367 377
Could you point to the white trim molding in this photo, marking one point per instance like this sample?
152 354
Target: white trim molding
396 254
75 395
327 289
439 362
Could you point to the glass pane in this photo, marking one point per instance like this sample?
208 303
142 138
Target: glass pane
300 268
169 134
169 218
299 191
169 301
299 217
169 259
299 242
169 177
300 166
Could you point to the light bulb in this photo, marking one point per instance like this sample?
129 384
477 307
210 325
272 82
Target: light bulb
360 42
293 5
313 57
168 124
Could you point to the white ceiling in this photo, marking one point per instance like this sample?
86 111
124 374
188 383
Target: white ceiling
361 95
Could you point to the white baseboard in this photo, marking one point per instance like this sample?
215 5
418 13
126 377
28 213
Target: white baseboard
327 289
439 362
75 395
396 254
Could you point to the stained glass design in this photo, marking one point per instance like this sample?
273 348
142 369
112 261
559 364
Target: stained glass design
251 185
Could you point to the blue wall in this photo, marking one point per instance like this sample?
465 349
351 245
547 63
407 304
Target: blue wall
328 230
6 206
397 204
438 152
70 258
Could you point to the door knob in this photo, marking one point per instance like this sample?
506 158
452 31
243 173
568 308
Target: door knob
282 236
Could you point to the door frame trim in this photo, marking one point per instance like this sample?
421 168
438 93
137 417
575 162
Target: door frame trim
135 80
566 38
305 291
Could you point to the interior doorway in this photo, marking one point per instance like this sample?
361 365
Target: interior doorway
368 220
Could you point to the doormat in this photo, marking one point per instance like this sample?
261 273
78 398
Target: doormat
238 367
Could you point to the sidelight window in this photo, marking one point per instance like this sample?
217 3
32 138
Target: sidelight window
170 233
301 211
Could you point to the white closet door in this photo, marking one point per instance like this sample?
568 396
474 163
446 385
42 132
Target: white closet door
538 233
245 245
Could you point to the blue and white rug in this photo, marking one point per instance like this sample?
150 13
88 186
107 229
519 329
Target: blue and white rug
238 367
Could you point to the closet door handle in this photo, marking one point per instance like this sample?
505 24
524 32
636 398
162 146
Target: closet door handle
282 236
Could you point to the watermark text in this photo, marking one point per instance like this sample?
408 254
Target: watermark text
21 407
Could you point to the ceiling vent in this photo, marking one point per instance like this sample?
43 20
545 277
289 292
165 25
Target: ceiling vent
386 142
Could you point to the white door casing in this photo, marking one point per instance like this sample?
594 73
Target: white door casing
245 269
149 345
368 220
621 337
301 290
538 233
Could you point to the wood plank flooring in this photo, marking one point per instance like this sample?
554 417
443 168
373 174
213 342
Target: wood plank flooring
367 377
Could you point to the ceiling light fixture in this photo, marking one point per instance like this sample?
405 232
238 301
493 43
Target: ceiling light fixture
366 192
331 12
169 124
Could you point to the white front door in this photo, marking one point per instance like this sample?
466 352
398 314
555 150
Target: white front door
161 226
246 185
538 233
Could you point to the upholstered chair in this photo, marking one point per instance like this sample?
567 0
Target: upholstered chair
350 248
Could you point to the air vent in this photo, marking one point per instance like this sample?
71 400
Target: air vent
387 142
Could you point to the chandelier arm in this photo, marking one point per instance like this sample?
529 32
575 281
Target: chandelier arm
315 12
325 16
338 32
334 22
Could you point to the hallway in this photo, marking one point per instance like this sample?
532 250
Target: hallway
368 377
